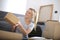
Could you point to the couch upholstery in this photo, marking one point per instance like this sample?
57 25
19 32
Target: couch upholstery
10 35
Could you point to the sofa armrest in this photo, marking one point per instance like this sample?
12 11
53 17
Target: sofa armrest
9 35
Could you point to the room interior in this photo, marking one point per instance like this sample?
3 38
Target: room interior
46 20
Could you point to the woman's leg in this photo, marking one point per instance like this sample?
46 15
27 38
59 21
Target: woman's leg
25 37
17 30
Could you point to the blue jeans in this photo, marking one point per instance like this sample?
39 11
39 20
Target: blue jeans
17 30
25 38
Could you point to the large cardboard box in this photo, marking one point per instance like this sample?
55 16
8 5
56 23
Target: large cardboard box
11 18
52 30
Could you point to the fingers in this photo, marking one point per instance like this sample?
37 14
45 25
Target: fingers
19 23
15 25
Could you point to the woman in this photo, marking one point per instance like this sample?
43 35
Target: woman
26 26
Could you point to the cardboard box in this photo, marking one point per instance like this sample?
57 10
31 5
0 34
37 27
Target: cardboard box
52 30
11 18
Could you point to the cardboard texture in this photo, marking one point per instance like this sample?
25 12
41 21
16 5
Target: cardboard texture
52 30
11 18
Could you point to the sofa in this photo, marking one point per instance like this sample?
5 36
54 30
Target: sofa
4 35
5 26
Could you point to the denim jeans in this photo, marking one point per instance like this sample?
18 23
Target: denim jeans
25 37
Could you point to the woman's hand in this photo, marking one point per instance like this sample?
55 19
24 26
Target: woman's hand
19 23
14 26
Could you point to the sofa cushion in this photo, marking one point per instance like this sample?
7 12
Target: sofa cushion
4 35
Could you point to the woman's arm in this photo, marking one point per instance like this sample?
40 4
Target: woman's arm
24 31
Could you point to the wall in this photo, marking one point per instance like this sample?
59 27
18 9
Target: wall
59 10
14 6
37 3
21 7
1 4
